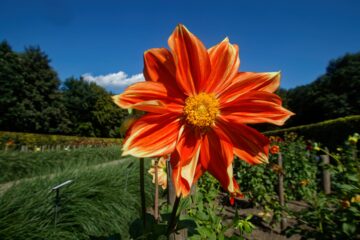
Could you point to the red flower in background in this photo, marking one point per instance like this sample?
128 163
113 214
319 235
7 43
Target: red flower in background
198 106
274 149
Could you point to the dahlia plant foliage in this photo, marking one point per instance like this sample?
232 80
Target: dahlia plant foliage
197 105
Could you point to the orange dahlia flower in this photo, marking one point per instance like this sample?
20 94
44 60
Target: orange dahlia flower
198 105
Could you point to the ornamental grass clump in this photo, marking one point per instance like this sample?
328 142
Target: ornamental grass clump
95 204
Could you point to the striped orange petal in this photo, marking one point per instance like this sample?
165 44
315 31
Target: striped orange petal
191 61
256 107
225 62
152 136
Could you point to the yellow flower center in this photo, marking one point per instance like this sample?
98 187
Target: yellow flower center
201 110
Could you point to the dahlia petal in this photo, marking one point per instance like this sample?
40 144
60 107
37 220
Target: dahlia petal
188 171
225 62
200 170
244 82
223 151
218 160
152 135
248 144
159 66
256 107
191 60
149 96
184 161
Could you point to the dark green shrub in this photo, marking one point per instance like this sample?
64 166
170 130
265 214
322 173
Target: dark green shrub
330 133
32 140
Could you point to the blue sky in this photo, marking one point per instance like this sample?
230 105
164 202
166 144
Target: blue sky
100 38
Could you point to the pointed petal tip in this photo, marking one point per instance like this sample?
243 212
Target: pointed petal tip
181 27
263 158
282 121
124 153
226 39
275 74
115 98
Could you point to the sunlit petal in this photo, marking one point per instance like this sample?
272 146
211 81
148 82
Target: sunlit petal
184 161
159 66
149 96
216 156
256 107
225 62
248 144
191 60
152 135
245 82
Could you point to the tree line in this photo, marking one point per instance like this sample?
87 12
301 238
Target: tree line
334 94
33 99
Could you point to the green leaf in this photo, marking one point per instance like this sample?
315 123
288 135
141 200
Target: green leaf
204 231
348 228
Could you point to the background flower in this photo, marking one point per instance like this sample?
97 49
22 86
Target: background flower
161 172
274 149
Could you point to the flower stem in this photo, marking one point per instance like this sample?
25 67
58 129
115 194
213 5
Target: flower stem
172 222
142 191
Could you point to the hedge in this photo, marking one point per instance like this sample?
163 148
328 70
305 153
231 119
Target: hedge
330 133
17 139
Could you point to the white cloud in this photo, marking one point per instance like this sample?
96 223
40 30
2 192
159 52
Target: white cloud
114 80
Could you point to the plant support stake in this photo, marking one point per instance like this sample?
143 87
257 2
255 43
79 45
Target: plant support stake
281 191
57 198
326 173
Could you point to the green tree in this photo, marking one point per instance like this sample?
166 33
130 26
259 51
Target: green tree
91 109
30 98
11 82
334 94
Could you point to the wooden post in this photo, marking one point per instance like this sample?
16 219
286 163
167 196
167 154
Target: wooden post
326 173
281 191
